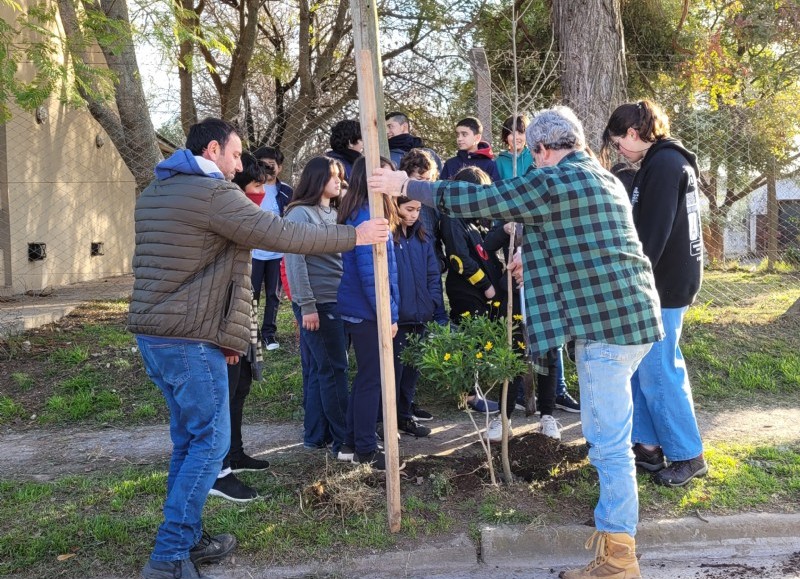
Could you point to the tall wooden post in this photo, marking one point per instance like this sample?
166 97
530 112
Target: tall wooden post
373 131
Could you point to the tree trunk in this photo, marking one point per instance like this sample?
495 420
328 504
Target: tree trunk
129 127
713 237
594 75
187 17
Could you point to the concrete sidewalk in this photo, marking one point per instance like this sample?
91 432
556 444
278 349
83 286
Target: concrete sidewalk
674 548
26 312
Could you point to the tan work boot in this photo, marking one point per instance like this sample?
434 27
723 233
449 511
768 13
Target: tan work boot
614 558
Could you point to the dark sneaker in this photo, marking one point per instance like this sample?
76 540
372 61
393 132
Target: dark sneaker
271 344
680 472
379 433
248 463
649 460
212 549
567 403
345 453
419 414
376 459
413 427
183 569
232 489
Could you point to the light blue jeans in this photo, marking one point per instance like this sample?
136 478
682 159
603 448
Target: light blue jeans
604 378
193 377
663 409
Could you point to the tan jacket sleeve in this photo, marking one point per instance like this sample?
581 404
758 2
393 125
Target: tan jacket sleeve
235 217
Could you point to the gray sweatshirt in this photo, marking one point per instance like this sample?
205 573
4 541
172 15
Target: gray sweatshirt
313 279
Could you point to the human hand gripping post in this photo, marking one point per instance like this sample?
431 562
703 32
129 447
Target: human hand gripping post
376 230
388 182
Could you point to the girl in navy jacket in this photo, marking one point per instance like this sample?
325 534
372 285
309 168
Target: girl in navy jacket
357 307
421 301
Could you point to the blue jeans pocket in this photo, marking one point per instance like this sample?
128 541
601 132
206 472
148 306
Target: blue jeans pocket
171 362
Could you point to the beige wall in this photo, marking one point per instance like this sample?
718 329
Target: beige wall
59 188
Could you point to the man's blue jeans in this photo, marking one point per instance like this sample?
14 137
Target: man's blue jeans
326 390
604 378
193 377
663 408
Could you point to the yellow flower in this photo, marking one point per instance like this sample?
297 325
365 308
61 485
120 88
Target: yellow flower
518 317
496 304
521 345
465 315
488 346
479 355
446 356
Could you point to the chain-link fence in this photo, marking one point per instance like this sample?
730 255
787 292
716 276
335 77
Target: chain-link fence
67 198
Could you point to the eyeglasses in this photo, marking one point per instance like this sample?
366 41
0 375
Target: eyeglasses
615 145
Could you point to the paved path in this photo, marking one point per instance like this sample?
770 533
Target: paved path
26 312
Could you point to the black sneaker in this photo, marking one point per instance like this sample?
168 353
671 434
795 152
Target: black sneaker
345 453
232 489
212 549
411 426
649 460
248 463
379 433
567 403
183 569
680 472
419 414
271 344
376 459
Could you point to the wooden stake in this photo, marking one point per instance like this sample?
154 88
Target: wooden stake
373 132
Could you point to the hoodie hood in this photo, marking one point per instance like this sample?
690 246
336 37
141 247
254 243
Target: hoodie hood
405 142
670 143
184 162
484 151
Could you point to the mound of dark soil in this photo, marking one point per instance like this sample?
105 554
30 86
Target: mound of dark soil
533 457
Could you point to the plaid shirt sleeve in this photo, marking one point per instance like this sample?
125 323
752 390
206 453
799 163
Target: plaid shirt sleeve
586 276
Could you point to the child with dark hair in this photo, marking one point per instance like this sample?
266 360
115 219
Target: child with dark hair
418 164
267 264
248 368
513 137
358 308
346 144
314 280
474 276
473 151
420 283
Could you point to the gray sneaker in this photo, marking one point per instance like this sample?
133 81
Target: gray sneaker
680 472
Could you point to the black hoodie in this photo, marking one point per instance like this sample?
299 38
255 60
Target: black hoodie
666 212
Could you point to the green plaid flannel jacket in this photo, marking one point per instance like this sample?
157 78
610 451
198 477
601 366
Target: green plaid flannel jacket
586 276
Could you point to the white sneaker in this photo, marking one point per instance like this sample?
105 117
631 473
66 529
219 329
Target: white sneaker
549 426
495 431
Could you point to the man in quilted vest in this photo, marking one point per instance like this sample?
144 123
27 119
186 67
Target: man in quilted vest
190 311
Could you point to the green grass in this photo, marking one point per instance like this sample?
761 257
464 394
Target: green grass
22 380
741 477
108 520
71 356
9 409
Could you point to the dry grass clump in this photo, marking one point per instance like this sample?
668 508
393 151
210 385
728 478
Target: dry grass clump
341 493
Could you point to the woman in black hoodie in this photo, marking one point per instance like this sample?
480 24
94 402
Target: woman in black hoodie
666 212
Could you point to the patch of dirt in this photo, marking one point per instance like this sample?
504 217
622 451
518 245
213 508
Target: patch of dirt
730 571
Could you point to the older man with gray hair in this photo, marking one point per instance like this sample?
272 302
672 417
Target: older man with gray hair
586 278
